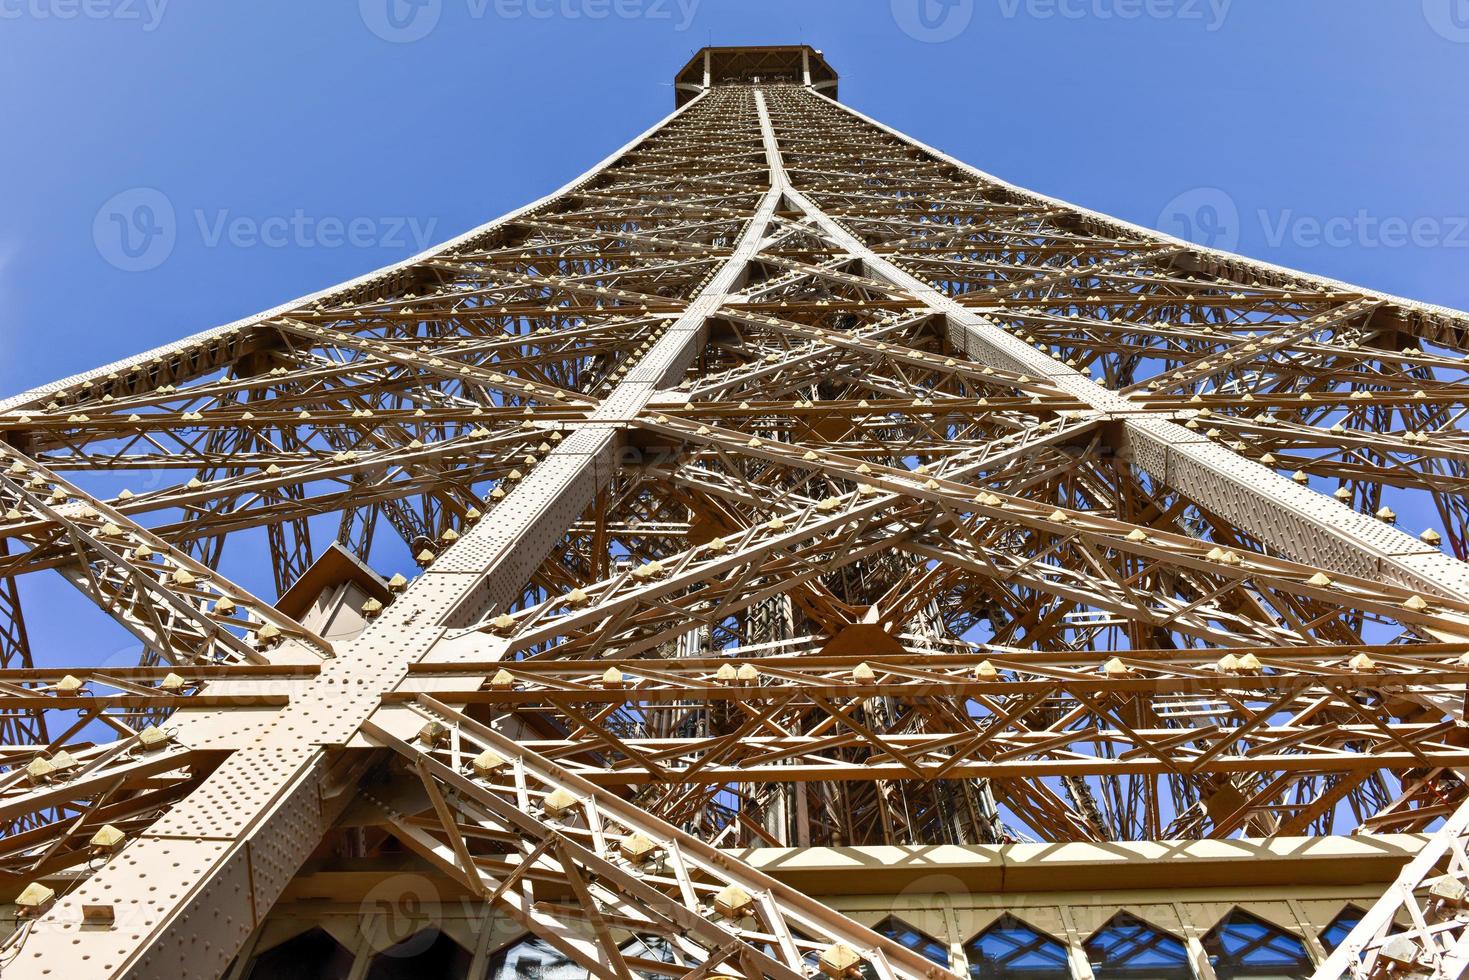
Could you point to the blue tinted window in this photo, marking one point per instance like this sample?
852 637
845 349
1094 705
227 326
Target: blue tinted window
1012 950
1130 949
1344 923
920 942
1244 946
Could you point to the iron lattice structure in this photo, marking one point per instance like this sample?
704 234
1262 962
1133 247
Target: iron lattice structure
779 482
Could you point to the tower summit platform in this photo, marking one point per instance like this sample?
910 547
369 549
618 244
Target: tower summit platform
796 63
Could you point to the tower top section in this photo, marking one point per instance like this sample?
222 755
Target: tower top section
797 63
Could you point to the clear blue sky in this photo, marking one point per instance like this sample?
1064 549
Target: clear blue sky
258 112
1306 109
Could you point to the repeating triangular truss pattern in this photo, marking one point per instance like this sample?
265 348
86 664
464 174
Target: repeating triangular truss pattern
780 482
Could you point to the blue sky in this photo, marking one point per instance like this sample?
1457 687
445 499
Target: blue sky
299 121
297 144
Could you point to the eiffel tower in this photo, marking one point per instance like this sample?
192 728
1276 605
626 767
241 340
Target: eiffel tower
783 551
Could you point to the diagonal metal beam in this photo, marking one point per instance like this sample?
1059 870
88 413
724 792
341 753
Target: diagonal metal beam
1304 524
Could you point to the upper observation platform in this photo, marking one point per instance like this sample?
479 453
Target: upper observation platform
799 63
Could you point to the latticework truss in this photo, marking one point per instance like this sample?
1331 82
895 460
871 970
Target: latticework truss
780 482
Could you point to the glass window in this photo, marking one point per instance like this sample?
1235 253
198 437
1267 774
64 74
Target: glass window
532 958
1345 921
920 942
1127 948
1012 950
1242 945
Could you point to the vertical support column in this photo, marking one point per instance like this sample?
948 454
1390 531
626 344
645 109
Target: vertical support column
958 958
479 965
1198 957
1314 948
1081 967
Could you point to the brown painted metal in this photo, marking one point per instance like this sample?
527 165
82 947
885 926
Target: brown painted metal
781 482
